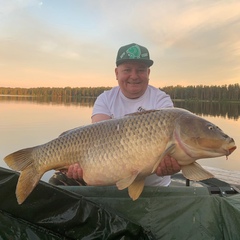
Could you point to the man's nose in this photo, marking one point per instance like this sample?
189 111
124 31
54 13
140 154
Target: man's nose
134 74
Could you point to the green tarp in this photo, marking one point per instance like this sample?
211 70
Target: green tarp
106 213
53 213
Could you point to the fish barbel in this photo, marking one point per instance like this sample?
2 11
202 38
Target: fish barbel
125 151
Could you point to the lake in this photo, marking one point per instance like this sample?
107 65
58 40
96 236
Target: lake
27 121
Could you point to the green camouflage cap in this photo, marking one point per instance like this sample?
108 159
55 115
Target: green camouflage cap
133 52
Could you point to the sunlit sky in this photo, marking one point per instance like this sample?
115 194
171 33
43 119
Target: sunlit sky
56 43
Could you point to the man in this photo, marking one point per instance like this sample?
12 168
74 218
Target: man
133 94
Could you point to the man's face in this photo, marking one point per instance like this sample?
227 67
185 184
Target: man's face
133 78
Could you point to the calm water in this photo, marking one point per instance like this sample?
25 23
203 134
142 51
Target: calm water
27 122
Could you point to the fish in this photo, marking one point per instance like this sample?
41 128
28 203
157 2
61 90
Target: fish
124 151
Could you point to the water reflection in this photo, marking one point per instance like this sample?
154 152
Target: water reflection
49 100
215 109
30 121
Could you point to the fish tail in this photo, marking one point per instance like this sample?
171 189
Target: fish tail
19 160
22 160
27 181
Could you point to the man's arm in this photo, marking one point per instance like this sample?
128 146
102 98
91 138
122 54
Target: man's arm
100 117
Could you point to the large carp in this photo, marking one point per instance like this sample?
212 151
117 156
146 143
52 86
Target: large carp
125 151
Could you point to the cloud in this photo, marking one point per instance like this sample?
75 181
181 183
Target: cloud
10 6
189 41
171 21
194 41
58 49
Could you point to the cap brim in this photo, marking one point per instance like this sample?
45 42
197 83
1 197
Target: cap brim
149 63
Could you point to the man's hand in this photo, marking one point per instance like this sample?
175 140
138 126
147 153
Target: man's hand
75 172
168 166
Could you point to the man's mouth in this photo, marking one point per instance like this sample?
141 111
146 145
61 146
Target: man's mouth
134 83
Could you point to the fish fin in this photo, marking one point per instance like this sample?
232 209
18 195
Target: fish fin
69 131
19 160
63 133
66 132
125 182
135 189
141 113
27 181
195 172
169 149
22 160
64 168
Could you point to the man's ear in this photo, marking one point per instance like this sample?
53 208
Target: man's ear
116 73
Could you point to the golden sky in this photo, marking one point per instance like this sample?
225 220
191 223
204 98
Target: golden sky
74 43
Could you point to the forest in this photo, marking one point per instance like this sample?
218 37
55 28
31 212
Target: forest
222 93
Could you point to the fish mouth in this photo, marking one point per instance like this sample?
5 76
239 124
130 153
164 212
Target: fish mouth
230 150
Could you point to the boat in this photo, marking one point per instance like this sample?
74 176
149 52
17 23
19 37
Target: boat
200 210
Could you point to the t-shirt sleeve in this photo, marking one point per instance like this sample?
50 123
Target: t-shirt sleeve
164 100
101 105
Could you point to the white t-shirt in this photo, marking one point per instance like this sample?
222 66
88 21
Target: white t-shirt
114 104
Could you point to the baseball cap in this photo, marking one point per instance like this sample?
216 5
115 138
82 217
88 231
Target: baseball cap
133 52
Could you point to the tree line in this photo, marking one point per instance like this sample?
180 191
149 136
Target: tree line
229 92
54 92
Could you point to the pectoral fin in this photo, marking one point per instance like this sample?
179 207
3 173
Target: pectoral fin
126 182
135 189
195 172
62 169
169 149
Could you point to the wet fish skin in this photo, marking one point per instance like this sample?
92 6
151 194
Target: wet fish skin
125 151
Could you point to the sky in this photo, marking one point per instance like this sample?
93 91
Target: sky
57 43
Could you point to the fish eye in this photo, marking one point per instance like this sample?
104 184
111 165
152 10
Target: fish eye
210 127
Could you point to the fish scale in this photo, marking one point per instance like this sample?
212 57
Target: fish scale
125 151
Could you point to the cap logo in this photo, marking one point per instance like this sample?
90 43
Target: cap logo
122 55
134 52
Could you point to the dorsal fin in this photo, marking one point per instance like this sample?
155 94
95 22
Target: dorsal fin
68 131
141 113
